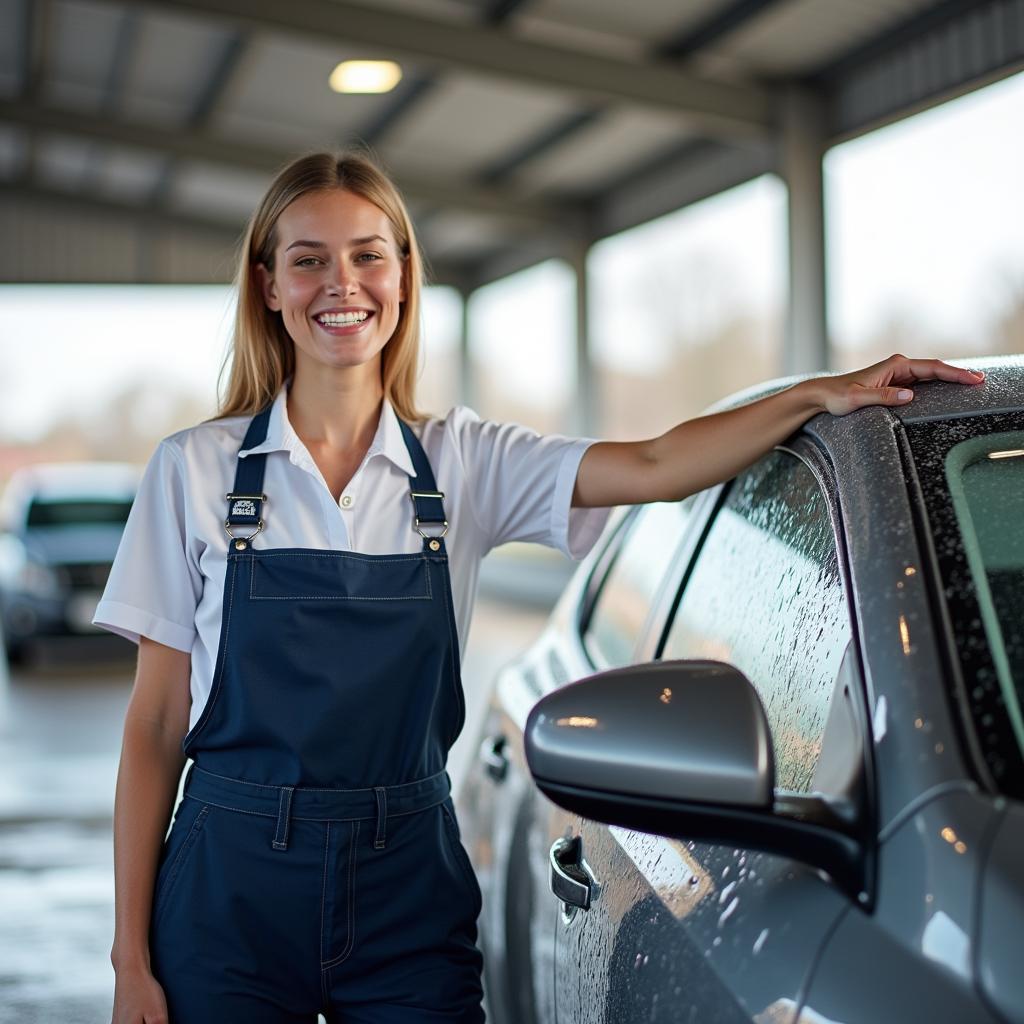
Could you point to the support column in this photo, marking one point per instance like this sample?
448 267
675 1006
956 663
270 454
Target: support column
466 394
806 342
583 421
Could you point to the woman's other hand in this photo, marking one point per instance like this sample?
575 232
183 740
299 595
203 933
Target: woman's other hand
889 382
138 998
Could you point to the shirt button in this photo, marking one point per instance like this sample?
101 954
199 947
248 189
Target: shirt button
346 501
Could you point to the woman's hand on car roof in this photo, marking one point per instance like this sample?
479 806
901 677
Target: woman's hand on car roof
887 383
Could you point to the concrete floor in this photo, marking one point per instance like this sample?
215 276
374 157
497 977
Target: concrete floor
60 737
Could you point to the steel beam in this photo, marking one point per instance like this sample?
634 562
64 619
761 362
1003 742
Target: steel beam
718 24
219 234
194 145
715 107
940 53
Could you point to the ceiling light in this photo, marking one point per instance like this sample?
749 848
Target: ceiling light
365 76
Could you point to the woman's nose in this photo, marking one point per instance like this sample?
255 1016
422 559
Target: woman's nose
343 281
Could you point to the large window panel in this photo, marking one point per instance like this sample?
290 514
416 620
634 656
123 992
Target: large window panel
688 308
924 241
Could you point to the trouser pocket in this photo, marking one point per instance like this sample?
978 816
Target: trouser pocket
188 824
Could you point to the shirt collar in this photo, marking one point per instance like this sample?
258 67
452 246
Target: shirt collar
387 441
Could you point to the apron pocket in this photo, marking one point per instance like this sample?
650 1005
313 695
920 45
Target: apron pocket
337 576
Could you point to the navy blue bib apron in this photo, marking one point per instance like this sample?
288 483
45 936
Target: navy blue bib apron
314 864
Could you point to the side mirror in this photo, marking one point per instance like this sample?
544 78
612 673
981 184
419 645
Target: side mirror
681 749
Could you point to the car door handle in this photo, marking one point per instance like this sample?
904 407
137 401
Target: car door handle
571 880
492 753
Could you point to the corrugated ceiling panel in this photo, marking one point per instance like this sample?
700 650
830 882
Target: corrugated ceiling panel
282 96
217 192
52 244
82 44
649 23
12 152
162 87
62 161
126 175
467 122
601 152
799 36
454 234
10 45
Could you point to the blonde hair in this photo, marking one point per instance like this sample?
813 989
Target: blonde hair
261 353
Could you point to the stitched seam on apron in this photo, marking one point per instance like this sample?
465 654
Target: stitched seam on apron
323 897
218 682
460 699
336 554
314 789
253 596
343 955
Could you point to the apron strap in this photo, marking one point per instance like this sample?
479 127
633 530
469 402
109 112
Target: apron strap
427 500
245 502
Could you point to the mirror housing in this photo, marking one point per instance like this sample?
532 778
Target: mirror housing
682 749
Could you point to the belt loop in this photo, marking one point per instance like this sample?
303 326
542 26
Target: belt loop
382 816
284 810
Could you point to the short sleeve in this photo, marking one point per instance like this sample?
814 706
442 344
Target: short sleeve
521 484
153 588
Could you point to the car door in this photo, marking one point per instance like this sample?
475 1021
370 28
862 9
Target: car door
505 818
685 931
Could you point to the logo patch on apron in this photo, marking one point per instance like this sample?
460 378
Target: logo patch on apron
243 508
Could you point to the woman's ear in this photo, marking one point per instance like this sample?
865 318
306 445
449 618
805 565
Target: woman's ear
268 288
401 280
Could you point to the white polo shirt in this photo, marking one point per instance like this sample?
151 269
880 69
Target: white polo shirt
502 482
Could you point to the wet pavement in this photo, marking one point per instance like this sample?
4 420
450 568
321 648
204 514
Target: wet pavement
60 738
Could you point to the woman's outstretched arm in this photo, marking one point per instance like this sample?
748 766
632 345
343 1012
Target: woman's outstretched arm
711 449
147 781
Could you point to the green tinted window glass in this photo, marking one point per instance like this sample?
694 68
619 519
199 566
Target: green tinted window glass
985 476
766 596
76 513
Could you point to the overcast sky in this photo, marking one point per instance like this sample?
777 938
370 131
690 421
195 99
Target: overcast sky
924 220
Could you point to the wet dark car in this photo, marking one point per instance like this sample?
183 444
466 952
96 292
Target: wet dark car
776 740
61 525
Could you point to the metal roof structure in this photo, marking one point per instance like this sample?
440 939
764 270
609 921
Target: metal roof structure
136 136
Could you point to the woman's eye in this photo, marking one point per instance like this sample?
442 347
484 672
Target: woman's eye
369 256
302 262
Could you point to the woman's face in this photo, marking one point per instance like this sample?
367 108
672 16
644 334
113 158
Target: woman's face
338 278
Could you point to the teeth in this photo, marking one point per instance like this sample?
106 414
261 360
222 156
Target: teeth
342 319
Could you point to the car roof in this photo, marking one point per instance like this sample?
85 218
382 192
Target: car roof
1002 390
62 480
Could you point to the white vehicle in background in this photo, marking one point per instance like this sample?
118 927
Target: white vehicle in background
60 525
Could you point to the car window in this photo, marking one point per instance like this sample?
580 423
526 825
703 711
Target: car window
985 476
78 513
766 595
633 580
972 480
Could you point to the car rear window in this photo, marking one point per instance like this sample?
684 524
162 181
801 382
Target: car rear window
77 513
985 476
971 471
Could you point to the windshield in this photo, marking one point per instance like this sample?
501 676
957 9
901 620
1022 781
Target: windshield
971 471
78 513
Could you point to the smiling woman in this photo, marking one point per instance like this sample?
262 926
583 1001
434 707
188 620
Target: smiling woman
301 628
